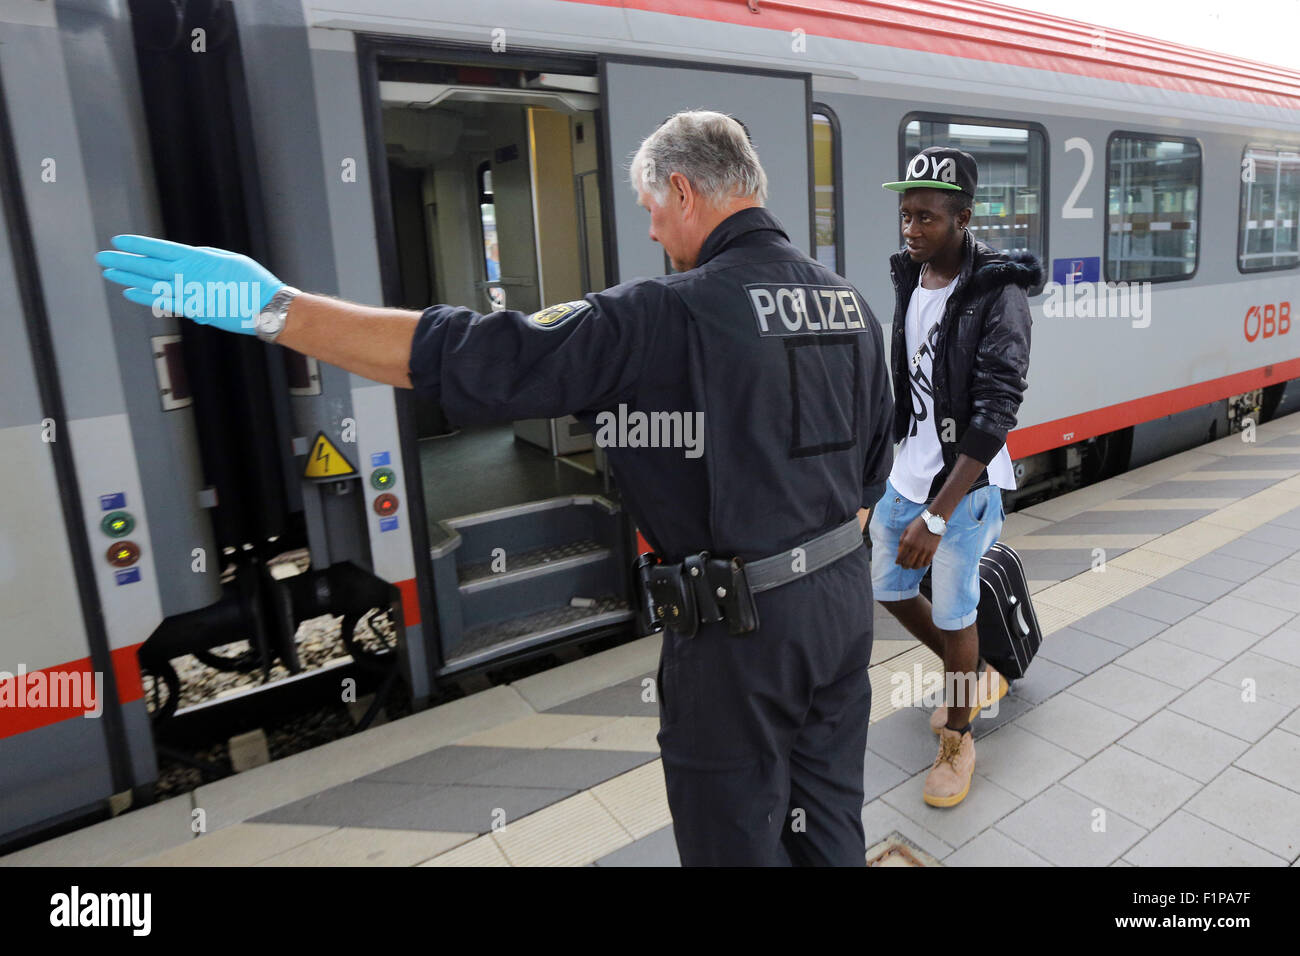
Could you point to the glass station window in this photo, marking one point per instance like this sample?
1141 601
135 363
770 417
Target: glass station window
1153 188
1270 207
826 178
1008 211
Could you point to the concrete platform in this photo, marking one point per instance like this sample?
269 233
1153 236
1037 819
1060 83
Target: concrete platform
1158 726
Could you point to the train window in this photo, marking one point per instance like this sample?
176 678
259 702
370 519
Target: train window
1009 200
488 221
1153 193
828 235
1268 237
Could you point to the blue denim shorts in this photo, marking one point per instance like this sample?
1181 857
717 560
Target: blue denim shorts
955 581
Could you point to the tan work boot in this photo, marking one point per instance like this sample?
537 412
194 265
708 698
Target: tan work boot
949 778
992 688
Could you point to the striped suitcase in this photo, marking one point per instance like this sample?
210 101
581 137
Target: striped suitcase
1008 627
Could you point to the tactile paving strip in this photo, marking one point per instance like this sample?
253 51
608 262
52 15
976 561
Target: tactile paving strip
1073 597
1113 581
1153 564
572 832
885 687
638 799
1195 540
481 852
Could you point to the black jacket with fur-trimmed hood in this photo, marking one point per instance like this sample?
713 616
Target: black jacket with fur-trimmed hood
981 353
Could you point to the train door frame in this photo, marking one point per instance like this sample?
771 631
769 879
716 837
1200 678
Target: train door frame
605 60
370 50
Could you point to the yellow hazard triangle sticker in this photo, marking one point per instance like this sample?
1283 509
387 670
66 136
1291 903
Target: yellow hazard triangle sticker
326 461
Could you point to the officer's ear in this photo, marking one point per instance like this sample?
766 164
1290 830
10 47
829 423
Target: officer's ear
681 192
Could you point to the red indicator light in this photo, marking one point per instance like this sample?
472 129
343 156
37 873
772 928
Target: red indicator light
386 505
123 554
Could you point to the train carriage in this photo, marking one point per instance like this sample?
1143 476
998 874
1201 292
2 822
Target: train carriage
410 152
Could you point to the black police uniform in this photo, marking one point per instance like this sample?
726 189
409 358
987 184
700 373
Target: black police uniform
763 735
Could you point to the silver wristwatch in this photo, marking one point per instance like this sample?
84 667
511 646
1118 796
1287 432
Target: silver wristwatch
935 523
270 321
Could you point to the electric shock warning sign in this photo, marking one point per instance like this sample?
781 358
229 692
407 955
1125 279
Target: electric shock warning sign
326 461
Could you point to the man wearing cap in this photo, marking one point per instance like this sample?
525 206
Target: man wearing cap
960 349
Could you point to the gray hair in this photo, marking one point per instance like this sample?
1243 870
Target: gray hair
712 150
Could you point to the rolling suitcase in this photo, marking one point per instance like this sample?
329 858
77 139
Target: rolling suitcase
1008 628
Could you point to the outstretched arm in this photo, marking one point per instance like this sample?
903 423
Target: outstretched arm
574 356
227 290
372 342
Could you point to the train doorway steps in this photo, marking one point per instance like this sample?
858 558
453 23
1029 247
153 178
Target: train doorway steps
528 576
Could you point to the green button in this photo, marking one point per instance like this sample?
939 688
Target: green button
117 524
382 478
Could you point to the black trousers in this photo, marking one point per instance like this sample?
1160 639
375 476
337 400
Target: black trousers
763 735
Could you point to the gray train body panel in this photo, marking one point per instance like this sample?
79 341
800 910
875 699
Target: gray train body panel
1195 329
73 113
72 93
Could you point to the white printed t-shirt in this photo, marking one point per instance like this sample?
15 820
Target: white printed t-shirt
920 456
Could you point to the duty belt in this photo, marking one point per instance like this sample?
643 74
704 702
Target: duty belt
705 589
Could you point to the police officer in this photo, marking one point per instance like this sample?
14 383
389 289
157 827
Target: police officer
762 579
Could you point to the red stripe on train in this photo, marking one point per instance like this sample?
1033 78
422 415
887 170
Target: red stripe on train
126 670
1037 438
410 601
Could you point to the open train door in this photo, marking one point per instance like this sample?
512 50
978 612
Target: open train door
638 95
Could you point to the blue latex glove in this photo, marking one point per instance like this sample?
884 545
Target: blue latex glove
216 287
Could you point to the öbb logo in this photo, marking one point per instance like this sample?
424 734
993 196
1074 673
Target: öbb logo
1267 321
